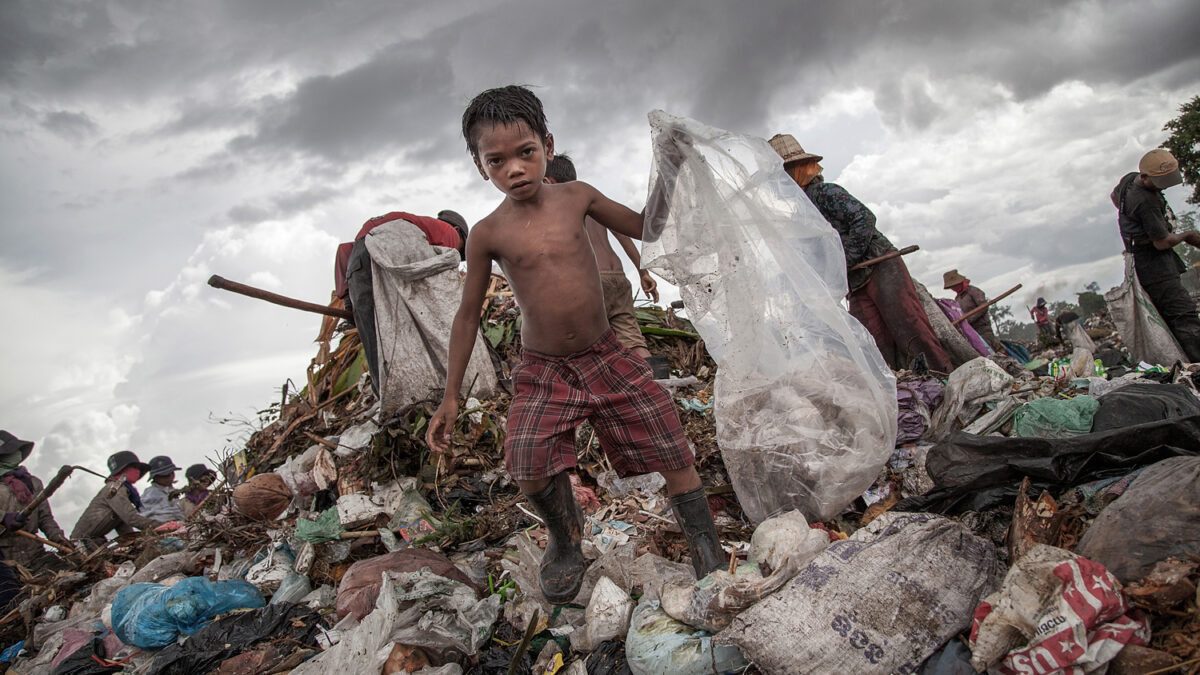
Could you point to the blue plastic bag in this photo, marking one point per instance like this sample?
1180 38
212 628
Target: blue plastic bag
152 616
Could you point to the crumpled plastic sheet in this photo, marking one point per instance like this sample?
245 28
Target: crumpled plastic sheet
1055 417
1055 612
324 529
441 615
606 617
658 644
805 404
365 645
227 637
916 401
152 616
967 389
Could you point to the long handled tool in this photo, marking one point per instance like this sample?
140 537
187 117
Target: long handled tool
42 496
885 257
989 303
250 291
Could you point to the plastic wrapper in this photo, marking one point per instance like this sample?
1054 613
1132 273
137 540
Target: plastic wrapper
152 616
659 645
442 616
607 616
1056 612
364 646
292 589
324 529
805 405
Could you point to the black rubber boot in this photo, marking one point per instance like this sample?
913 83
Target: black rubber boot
563 564
696 521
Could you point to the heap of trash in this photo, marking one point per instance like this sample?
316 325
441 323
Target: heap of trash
1025 513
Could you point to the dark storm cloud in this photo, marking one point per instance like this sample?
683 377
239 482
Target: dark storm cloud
72 126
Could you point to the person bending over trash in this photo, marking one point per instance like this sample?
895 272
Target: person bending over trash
199 478
882 297
615 286
572 368
1147 227
354 280
115 506
157 502
18 487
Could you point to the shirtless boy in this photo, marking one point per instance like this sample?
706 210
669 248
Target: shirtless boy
572 366
614 285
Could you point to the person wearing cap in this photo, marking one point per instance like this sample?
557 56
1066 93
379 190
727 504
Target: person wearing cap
882 297
156 500
18 488
199 478
353 279
968 298
115 506
1041 317
1147 227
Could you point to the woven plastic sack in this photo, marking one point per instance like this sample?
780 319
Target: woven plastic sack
1143 331
805 405
1055 417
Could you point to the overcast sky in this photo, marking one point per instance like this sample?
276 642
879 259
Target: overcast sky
146 144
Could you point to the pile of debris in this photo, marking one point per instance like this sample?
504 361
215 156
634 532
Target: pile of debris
1037 518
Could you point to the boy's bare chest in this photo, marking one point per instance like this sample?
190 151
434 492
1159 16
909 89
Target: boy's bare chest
534 245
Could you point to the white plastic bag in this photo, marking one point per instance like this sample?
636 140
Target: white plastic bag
607 616
805 405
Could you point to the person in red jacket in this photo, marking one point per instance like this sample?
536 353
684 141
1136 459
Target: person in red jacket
353 279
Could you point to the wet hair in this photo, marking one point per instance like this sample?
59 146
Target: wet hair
560 169
503 105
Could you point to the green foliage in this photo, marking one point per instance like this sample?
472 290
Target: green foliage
1184 143
1090 303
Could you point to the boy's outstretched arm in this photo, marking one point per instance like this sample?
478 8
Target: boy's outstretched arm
462 340
649 285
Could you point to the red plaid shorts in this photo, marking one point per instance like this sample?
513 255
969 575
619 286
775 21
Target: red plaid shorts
634 417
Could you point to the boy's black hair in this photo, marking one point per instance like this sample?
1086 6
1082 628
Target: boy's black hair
560 169
503 105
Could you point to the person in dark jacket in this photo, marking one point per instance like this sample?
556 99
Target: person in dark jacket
1148 230
18 488
115 507
968 298
882 297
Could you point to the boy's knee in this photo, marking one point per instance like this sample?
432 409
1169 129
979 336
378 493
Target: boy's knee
533 486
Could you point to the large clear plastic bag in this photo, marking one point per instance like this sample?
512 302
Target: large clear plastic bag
805 405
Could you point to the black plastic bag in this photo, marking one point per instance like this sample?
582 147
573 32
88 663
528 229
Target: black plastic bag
87 660
228 637
1140 403
1156 518
973 473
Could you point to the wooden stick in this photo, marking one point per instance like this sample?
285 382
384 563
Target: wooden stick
42 496
885 257
989 303
47 542
252 292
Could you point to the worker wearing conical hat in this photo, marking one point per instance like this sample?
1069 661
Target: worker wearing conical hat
968 298
882 297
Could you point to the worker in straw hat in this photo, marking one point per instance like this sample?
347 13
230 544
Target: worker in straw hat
1148 230
968 298
882 297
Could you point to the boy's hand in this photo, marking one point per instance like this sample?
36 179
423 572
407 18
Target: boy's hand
671 146
649 285
441 425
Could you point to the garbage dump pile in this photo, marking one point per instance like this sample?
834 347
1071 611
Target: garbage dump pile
1031 519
